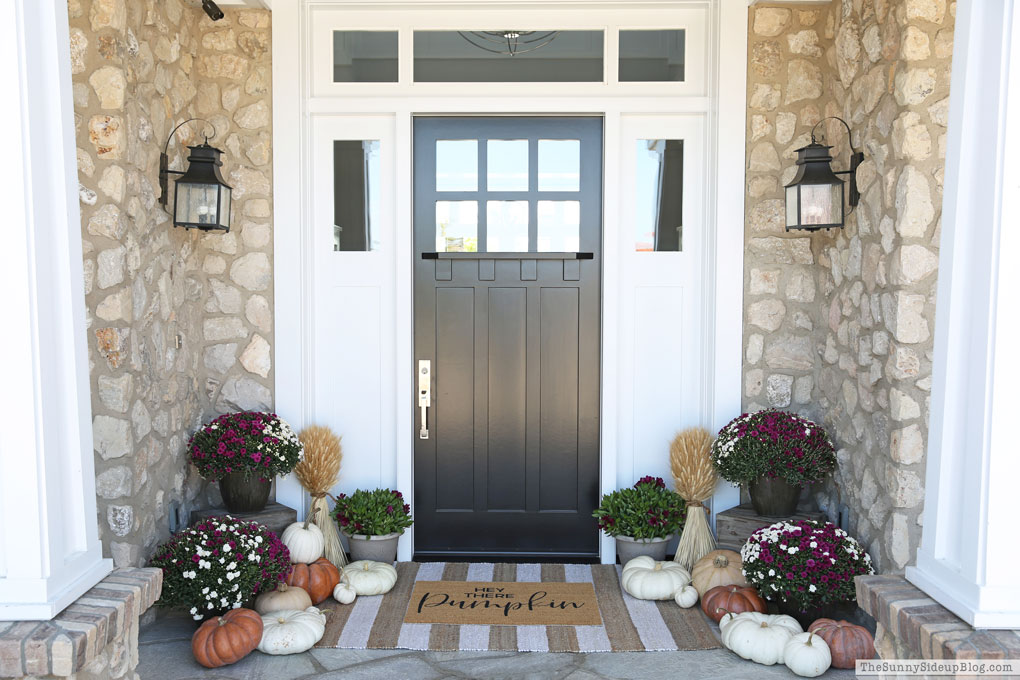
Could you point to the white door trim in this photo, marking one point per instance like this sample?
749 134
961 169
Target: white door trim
722 101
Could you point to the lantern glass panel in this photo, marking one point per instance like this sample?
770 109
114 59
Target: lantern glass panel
223 218
197 204
821 204
791 206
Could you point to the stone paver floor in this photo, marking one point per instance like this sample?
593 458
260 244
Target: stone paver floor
165 654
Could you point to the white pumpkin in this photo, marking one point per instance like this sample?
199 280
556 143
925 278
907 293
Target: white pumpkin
284 597
686 597
370 578
758 637
344 593
291 631
807 655
646 579
304 541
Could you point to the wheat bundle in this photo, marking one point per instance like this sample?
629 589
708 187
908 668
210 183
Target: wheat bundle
318 472
695 479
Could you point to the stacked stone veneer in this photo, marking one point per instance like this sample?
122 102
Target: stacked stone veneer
179 323
839 324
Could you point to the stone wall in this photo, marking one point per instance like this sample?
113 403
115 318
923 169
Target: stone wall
179 324
839 323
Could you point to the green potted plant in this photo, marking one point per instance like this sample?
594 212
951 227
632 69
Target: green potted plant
775 453
806 567
219 564
641 518
373 522
244 452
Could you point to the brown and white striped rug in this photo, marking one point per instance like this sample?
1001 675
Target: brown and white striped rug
628 624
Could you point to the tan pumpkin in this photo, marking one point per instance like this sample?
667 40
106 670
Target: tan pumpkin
717 568
847 642
284 597
732 599
223 640
318 578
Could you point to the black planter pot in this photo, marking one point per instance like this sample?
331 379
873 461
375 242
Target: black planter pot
244 493
839 611
774 497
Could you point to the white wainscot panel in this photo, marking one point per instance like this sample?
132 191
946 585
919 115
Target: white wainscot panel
665 388
349 380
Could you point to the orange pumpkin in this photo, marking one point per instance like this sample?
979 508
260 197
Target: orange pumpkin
223 640
318 578
847 642
733 599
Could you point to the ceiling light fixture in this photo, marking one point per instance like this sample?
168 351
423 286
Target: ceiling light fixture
510 43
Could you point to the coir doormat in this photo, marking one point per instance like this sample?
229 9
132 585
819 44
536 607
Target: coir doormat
503 603
624 624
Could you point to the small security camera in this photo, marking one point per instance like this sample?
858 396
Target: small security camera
212 9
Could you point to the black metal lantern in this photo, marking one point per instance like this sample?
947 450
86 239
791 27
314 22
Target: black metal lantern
201 197
815 197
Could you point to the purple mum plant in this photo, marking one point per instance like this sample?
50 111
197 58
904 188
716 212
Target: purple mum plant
773 443
805 563
255 443
219 564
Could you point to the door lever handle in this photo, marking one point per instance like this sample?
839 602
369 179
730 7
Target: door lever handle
424 395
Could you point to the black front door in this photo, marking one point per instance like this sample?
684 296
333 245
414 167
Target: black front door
507 233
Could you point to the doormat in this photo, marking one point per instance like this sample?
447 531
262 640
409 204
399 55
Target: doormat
503 603
626 624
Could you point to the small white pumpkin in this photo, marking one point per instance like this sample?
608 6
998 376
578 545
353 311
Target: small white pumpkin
291 631
646 579
686 597
344 593
370 578
807 655
758 637
304 541
284 597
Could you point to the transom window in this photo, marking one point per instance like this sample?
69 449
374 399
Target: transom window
506 56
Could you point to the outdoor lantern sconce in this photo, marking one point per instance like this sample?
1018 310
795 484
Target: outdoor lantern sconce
201 198
814 199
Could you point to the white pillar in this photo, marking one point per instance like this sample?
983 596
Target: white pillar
969 548
49 539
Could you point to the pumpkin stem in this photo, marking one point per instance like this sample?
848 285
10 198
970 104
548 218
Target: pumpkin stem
809 638
658 566
721 561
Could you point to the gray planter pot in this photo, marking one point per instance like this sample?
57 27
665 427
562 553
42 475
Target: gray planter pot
375 548
628 548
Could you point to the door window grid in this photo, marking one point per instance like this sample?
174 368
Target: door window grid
519 203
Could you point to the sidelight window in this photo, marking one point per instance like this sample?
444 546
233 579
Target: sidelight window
659 184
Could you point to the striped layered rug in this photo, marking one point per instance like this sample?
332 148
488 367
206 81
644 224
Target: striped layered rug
627 624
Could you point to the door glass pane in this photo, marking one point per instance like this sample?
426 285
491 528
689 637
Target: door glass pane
658 193
355 195
457 226
507 165
364 56
506 226
559 165
652 55
457 165
559 226
484 56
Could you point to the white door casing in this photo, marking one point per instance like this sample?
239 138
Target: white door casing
334 306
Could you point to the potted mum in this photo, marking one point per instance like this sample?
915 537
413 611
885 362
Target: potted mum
774 453
244 452
641 518
373 522
806 567
219 564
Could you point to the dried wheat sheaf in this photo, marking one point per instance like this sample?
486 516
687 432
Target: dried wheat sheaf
318 472
695 479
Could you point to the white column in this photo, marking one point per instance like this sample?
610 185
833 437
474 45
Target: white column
969 548
49 542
